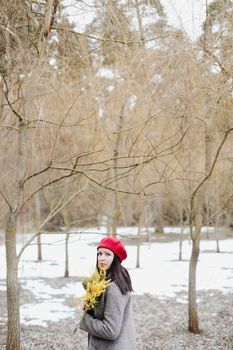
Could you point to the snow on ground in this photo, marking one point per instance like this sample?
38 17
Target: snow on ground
160 272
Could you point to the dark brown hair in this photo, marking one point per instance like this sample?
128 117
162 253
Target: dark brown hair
118 274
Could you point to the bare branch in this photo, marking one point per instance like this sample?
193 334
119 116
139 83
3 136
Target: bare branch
6 199
54 212
209 173
9 31
7 98
36 174
130 42
9 127
49 183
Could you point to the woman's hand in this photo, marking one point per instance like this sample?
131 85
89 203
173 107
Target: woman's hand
81 306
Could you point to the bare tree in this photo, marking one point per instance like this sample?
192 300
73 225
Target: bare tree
196 213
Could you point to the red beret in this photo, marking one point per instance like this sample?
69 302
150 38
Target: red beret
115 245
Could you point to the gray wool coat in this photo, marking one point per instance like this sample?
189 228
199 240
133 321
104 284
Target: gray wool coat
113 329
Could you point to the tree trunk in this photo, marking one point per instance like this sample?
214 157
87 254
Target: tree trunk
67 226
1 97
38 220
193 313
193 323
116 203
39 250
181 235
116 216
12 284
217 246
13 330
159 220
138 248
216 231
180 248
67 274
22 112
208 163
139 19
159 228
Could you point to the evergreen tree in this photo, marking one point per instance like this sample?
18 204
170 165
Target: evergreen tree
112 27
217 37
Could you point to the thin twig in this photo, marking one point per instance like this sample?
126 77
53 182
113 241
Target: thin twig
54 212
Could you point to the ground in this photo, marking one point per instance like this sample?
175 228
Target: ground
161 324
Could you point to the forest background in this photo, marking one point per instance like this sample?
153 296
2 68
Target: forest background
128 123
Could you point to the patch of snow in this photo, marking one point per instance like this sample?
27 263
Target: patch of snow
38 314
160 272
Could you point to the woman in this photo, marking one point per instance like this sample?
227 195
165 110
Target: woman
114 327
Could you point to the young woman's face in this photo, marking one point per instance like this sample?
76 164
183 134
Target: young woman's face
104 258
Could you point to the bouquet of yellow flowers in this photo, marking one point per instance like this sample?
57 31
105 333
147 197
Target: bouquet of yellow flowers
95 286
